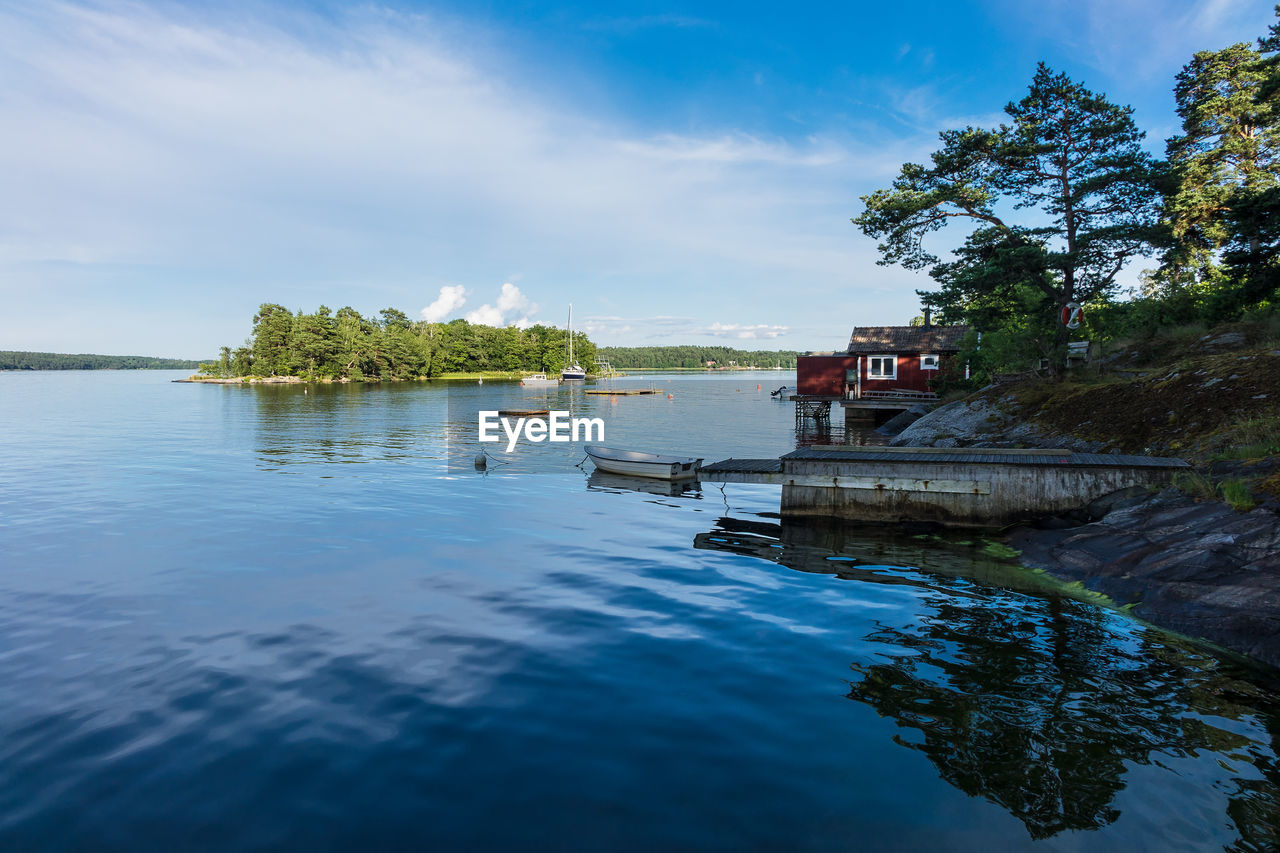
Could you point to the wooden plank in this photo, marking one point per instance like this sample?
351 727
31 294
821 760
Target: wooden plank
994 451
762 466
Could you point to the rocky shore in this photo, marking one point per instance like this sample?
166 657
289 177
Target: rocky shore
1197 567
1189 563
243 380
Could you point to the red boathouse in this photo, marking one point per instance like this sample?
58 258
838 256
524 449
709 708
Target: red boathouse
885 367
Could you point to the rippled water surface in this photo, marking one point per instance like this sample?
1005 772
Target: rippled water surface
246 618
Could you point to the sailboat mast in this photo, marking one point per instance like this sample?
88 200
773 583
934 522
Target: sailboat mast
568 358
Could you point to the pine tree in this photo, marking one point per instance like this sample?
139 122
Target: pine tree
1067 153
1225 157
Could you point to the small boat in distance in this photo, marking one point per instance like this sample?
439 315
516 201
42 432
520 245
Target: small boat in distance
573 371
538 379
633 463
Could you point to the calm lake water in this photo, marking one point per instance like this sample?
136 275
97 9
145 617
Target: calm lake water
276 617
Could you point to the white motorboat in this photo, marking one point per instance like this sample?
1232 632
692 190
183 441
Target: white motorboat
634 463
538 379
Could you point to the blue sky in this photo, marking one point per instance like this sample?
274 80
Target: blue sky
682 173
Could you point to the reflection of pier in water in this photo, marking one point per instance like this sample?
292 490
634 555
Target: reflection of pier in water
1037 703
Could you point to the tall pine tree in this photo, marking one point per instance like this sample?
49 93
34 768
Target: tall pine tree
1071 157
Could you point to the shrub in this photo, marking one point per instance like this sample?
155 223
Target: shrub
1237 494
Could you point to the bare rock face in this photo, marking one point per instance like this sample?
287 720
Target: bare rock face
1199 568
902 420
967 420
1227 340
982 423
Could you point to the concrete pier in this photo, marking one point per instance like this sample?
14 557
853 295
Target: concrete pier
965 487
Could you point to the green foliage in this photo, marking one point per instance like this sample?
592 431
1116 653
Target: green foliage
347 346
1253 438
17 360
1073 158
1194 484
1237 494
1068 154
667 358
1000 551
1223 197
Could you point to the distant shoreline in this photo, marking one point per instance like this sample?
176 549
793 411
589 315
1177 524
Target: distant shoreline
494 375
23 360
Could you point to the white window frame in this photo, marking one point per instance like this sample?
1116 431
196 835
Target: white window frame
872 360
937 361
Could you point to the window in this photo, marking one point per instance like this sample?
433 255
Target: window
928 361
882 367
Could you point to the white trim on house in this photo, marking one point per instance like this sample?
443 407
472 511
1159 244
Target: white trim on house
875 367
930 361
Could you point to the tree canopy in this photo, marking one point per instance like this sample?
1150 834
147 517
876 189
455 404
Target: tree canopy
1223 176
668 357
1051 206
1070 157
16 360
346 345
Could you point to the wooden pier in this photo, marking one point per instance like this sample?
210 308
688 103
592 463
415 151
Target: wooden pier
622 392
813 407
967 487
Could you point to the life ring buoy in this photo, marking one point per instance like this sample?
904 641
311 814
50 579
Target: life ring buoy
1072 315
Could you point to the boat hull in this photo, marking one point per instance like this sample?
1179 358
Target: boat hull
630 463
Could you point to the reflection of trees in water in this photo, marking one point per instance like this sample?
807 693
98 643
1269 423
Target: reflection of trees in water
1039 703
1039 710
342 422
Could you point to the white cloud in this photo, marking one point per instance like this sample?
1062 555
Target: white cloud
342 155
1140 39
645 22
451 298
485 315
510 302
745 333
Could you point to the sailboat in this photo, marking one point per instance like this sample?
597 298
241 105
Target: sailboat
572 370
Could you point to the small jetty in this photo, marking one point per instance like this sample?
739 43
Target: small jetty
954 486
523 413
621 392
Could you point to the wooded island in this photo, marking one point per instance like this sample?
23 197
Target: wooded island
346 346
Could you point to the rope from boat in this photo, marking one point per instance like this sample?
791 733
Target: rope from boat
489 455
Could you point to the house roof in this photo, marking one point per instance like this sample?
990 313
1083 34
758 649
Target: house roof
895 339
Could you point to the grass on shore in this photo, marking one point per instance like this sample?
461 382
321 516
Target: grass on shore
1210 396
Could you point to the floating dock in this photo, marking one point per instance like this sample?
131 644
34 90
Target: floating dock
621 392
966 487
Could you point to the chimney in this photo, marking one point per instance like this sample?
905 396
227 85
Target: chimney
927 312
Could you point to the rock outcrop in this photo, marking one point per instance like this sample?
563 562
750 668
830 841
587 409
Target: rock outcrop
1196 567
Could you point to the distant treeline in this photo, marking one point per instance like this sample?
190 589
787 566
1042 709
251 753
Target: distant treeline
11 360
345 345
659 358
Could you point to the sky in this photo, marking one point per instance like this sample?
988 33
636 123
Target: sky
682 173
